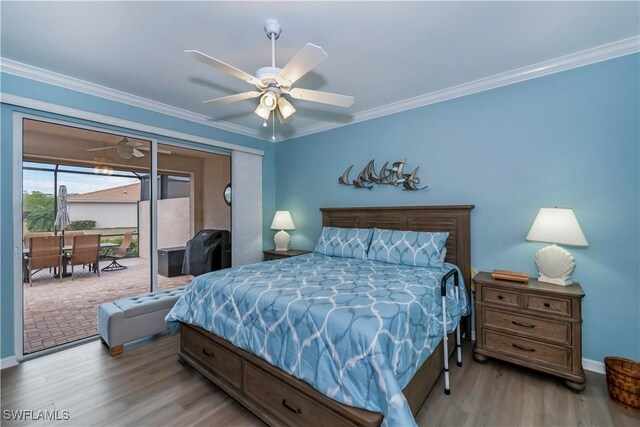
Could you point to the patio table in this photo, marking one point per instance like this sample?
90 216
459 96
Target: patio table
25 252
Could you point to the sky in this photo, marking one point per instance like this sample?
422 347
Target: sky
76 184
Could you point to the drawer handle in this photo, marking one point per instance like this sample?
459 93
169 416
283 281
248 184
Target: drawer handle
500 297
521 347
524 325
546 304
291 408
207 353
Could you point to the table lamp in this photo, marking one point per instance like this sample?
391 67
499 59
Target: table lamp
282 221
557 226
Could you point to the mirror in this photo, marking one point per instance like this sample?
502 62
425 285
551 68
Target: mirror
227 194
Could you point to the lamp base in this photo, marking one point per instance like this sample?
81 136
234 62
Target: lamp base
282 240
551 280
555 265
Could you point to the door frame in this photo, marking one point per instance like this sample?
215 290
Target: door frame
18 118
41 107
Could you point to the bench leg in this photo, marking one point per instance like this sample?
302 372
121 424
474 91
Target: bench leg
119 349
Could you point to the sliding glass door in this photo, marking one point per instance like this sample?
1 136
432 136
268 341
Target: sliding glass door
145 203
190 202
83 190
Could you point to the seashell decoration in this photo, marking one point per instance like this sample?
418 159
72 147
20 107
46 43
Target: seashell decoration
554 262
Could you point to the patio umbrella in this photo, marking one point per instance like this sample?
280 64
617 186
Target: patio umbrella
62 215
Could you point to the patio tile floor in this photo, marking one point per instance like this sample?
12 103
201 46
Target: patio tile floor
58 313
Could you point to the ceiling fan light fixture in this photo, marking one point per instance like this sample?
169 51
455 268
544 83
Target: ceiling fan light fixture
269 101
103 170
262 112
285 107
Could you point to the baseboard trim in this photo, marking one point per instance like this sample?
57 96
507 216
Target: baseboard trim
8 362
593 365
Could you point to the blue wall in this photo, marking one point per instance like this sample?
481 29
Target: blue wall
49 93
570 139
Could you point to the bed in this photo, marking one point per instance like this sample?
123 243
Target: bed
281 311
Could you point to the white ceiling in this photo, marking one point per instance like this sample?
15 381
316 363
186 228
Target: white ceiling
379 52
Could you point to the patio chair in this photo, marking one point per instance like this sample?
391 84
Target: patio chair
44 252
85 251
122 252
27 236
68 237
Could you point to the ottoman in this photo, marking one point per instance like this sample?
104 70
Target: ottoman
129 319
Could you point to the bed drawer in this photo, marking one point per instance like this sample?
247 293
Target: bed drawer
500 297
533 327
212 356
536 352
289 405
545 304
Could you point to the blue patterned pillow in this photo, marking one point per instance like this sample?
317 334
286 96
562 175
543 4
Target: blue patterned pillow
423 249
344 242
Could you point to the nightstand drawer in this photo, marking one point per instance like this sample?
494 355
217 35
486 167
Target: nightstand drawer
499 296
547 330
532 351
546 304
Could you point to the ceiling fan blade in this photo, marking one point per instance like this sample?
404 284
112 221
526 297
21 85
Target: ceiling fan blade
322 97
306 59
233 98
101 148
212 62
160 150
137 153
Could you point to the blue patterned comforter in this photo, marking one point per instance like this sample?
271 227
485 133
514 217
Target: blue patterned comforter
355 330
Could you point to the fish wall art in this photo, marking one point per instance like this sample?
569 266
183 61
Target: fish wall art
393 175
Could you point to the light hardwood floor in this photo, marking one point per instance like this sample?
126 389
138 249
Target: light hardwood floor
146 386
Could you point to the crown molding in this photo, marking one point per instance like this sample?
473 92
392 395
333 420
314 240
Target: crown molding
556 65
35 104
45 76
579 59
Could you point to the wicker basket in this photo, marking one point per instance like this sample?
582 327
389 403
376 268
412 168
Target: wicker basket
623 382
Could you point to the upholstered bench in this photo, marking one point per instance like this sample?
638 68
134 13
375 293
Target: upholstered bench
129 319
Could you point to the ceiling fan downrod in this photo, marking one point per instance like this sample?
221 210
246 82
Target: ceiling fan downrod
273 29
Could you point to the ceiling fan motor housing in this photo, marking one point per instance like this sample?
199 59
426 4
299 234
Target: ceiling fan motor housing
272 26
267 74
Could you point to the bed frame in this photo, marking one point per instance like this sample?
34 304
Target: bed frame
278 398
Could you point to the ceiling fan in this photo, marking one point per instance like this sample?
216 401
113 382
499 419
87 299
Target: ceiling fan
272 83
127 149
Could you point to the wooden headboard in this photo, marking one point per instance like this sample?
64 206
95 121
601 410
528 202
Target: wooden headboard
454 219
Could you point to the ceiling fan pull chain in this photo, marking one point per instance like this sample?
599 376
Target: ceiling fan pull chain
273 127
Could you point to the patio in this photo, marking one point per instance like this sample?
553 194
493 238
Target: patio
57 313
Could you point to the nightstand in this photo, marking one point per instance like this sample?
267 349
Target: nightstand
536 325
272 254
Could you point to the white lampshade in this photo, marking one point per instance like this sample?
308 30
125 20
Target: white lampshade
262 112
282 221
269 101
285 108
557 225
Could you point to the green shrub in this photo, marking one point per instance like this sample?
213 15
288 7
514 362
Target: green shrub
40 219
82 224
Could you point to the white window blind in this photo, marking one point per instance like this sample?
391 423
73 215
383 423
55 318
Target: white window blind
246 208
